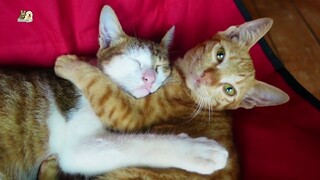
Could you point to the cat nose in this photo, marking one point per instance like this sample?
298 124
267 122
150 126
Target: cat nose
208 78
149 77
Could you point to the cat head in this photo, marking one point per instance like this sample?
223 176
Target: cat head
138 66
220 72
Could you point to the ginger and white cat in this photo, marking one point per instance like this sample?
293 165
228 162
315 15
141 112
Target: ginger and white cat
216 75
41 115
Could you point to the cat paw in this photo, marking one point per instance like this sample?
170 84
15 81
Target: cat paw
204 156
49 168
66 65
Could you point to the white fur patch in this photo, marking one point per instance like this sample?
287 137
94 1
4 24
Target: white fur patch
127 71
57 129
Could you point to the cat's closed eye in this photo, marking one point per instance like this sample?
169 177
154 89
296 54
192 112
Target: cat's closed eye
137 61
165 68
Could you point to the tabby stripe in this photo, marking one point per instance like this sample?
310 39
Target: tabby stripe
125 114
147 101
111 112
105 97
131 125
161 103
101 112
90 84
114 124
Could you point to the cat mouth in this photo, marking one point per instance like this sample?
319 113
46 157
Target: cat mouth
192 82
142 91
194 78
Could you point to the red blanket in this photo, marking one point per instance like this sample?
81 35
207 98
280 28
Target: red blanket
280 142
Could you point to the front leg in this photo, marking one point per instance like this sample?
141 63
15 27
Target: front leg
104 96
72 68
108 152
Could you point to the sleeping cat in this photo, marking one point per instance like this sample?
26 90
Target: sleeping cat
41 115
216 75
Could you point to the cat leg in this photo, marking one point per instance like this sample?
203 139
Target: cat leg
72 68
110 151
49 169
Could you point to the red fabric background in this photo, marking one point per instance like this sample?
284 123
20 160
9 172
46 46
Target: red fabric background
280 142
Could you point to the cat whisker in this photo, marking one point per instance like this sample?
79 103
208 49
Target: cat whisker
208 108
197 110
194 113
134 31
198 55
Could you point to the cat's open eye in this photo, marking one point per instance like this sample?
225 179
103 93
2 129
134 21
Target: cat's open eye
220 54
229 89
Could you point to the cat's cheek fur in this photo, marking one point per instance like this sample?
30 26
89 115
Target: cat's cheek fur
160 78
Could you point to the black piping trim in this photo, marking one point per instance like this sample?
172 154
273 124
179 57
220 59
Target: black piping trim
278 65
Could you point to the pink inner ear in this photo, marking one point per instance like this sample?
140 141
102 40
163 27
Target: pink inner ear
248 103
263 94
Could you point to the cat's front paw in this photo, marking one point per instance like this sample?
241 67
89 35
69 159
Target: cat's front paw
66 65
204 155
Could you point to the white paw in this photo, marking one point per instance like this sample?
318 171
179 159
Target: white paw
203 155
65 65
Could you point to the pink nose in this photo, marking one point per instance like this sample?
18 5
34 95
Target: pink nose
149 77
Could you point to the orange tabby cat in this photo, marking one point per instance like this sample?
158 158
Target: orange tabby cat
216 75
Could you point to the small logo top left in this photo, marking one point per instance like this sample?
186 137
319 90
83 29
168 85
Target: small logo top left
25 16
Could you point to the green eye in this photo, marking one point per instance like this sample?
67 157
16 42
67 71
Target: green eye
220 55
229 89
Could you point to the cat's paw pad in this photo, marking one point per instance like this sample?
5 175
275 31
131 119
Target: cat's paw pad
206 156
66 64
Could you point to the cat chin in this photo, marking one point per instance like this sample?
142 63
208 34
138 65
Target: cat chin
140 93
143 91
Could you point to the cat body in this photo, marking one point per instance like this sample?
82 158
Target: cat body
30 100
41 115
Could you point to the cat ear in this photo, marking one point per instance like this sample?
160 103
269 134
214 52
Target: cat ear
167 39
250 32
109 27
263 94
